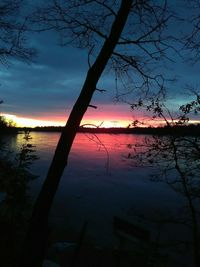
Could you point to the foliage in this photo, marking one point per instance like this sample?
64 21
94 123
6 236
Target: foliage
176 158
15 177
3 123
6 124
156 108
15 205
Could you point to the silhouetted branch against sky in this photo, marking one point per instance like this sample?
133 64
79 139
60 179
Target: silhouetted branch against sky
191 39
143 43
13 32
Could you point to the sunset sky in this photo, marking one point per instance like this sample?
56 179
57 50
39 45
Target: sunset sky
44 91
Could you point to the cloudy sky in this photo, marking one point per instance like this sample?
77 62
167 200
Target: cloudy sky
46 89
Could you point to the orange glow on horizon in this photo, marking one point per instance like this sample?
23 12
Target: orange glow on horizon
32 122
106 122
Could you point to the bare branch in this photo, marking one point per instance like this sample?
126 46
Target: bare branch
92 106
86 24
13 28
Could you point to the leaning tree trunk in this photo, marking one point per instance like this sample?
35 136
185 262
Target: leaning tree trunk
37 235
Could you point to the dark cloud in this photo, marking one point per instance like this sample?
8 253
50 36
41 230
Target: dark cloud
51 82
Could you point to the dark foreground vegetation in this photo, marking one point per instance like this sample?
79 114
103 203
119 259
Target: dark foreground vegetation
7 126
15 204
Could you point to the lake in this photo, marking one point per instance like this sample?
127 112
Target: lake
102 181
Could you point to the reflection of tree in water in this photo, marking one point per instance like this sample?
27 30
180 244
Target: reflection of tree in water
177 162
15 205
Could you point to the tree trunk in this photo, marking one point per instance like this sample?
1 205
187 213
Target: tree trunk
37 235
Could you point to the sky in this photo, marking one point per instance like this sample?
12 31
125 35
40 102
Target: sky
43 92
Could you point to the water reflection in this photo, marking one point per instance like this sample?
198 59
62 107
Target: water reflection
100 182
177 160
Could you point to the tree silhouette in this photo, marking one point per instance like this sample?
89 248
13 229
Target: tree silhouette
180 154
13 180
15 204
123 35
13 27
191 40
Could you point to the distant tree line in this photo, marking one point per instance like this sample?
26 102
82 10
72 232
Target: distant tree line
190 129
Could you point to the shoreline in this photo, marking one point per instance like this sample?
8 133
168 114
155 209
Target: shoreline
193 130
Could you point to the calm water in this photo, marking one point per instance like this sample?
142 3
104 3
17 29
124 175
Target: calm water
101 182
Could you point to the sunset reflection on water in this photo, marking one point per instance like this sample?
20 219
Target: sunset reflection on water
101 181
87 147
